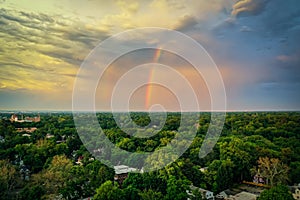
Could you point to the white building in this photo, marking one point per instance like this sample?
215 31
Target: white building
121 173
123 169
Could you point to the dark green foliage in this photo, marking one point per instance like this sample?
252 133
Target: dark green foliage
32 192
176 188
279 192
109 191
196 195
295 172
225 175
150 195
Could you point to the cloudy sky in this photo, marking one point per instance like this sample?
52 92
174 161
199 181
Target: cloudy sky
254 43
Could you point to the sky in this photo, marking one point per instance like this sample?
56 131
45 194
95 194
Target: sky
254 43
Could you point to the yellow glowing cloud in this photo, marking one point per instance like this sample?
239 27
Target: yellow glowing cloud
41 50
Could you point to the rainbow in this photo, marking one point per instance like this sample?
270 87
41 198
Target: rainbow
156 57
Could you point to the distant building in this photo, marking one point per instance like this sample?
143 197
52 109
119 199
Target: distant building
121 173
15 118
27 130
48 136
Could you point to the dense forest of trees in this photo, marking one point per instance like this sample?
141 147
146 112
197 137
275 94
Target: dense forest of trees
52 162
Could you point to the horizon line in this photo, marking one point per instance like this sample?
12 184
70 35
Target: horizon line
184 111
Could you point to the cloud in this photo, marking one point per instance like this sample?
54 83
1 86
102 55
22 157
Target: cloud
253 7
172 14
41 53
295 58
131 7
185 22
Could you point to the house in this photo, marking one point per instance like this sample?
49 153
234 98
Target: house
222 195
121 173
206 194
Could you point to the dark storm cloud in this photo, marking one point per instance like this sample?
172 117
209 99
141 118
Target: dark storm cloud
259 41
276 29
284 30
276 26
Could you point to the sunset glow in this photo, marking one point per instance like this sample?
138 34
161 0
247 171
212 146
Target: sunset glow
44 43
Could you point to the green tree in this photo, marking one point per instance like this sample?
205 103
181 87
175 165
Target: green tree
237 151
135 180
109 191
131 193
211 174
32 192
97 173
176 188
196 195
295 172
150 195
76 186
279 192
8 178
224 179
192 172
55 176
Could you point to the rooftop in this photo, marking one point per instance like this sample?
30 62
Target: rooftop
123 169
243 196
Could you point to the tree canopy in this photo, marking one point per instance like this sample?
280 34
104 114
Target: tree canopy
52 162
